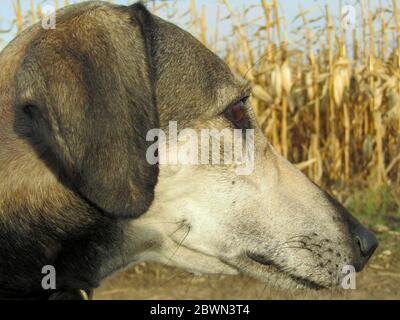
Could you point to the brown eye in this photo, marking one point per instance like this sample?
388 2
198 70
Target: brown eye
236 113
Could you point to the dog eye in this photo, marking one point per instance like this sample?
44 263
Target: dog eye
236 113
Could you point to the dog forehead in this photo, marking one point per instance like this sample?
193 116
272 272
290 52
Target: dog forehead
193 82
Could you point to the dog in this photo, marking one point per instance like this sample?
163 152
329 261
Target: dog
78 193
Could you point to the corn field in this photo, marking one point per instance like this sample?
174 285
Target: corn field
327 97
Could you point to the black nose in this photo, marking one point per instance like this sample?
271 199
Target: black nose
366 241
364 244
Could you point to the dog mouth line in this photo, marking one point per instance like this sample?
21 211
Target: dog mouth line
297 279
267 263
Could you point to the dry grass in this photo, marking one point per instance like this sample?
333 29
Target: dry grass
329 104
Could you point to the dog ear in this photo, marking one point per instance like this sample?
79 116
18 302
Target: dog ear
89 101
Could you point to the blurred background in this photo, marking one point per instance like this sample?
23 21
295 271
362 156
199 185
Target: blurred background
326 92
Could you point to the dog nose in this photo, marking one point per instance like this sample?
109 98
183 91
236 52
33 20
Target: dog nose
366 241
365 244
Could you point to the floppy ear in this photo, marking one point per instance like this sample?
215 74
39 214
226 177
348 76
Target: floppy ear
87 93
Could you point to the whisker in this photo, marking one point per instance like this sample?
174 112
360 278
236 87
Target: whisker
295 247
300 236
161 222
180 243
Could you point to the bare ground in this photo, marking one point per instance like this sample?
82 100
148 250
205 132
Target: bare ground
379 280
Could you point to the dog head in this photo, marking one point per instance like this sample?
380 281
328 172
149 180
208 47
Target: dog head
81 103
255 213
